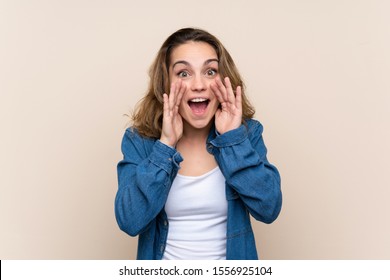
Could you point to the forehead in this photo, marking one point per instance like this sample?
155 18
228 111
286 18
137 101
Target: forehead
193 52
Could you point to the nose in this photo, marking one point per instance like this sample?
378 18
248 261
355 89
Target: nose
198 84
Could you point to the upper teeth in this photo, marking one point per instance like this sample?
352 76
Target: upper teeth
198 100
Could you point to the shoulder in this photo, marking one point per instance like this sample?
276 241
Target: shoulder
132 134
133 140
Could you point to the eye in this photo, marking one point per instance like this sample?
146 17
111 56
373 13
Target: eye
183 74
211 72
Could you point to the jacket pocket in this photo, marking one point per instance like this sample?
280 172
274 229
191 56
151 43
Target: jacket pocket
240 232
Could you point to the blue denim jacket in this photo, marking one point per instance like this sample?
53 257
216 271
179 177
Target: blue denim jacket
149 167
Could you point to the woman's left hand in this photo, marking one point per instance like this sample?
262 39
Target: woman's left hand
229 116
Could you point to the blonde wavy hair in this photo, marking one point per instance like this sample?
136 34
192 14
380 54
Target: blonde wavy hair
147 116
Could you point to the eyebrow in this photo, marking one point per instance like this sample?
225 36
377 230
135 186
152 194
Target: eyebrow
188 64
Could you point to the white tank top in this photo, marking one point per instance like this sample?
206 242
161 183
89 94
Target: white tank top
197 211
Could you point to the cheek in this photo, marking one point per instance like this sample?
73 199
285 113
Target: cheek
215 105
182 105
211 81
173 78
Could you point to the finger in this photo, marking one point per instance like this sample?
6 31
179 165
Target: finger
180 92
229 91
239 98
216 91
220 98
172 96
222 89
165 105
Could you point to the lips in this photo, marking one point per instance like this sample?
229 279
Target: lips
198 105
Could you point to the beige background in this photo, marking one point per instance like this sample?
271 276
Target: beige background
317 72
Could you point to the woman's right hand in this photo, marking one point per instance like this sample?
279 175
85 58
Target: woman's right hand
172 126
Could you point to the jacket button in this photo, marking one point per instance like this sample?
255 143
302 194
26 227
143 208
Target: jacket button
165 223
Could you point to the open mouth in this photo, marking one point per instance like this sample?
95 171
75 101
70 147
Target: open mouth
198 105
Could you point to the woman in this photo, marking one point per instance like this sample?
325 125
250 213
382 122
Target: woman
194 163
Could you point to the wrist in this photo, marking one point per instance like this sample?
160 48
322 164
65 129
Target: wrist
167 142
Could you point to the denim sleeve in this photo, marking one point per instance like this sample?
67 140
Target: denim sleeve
145 176
241 155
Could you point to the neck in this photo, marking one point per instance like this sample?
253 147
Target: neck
194 135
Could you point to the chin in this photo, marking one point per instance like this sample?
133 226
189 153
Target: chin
200 124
